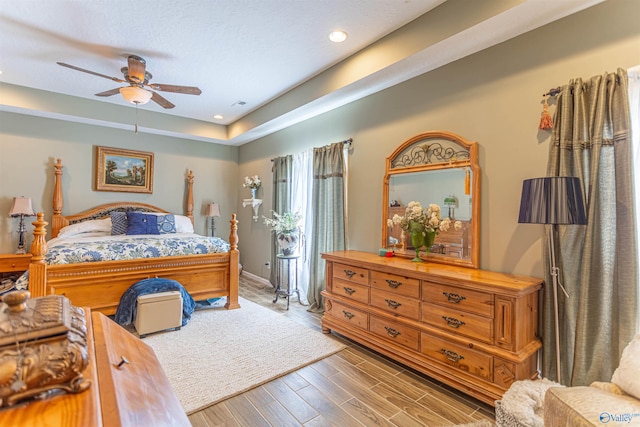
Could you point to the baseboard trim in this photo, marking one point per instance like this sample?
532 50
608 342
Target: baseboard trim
256 277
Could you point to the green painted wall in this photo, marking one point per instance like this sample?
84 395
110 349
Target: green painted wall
493 97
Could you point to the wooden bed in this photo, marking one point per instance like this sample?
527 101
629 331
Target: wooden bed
99 285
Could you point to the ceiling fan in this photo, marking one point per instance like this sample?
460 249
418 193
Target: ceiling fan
138 78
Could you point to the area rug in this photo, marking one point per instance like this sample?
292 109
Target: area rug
221 353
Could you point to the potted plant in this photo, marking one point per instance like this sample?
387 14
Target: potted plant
287 229
253 183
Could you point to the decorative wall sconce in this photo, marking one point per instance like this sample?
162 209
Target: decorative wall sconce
255 204
21 207
213 210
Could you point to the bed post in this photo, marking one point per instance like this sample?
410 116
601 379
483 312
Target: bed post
37 267
57 221
189 208
234 261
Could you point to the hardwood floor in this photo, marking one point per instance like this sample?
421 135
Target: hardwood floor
354 387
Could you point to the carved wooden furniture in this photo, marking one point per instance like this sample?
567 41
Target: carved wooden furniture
474 330
134 394
428 168
99 285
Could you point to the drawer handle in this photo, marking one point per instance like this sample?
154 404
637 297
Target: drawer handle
392 332
454 297
393 283
347 314
393 304
453 322
451 355
349 273
348 290
123 360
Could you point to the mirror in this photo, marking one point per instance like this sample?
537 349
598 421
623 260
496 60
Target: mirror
441 168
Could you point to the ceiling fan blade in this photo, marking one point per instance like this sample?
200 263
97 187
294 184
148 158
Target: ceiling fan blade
137 68
161 101
188 90
109 92
115 79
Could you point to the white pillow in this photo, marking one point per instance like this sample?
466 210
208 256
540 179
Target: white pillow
627 376
183 224
89 226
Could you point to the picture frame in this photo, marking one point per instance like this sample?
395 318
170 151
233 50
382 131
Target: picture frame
128 171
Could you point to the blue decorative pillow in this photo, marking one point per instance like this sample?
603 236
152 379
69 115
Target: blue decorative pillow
140 223
166 224
119 223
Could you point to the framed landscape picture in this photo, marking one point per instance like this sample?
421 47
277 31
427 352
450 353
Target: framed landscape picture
128 171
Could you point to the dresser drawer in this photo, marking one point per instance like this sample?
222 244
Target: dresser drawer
396 304
457 356
461 299
12 262
349 315
458 322
394 283
396 332
351 290
351 273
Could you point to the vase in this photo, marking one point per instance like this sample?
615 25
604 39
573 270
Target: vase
417 238
288 242
253 193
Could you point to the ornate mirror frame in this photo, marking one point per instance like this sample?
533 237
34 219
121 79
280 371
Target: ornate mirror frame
435 152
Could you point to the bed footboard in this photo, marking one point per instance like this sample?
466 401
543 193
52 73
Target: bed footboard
100 285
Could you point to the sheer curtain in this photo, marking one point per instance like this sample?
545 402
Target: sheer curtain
598 262
302 202
634 107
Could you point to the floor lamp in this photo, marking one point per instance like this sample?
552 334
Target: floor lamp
553 200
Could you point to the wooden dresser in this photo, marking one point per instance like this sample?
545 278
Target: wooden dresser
474 330
133 395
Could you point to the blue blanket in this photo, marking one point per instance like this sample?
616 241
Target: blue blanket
126 311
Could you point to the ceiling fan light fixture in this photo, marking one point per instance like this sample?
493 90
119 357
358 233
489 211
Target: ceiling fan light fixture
135 95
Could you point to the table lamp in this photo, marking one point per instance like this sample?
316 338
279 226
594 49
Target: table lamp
213 210
21 207
553 200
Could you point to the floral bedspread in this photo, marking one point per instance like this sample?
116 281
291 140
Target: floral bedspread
110 248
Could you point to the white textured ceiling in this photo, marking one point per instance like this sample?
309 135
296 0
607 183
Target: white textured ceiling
252 51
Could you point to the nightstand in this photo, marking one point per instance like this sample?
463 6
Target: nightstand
12 266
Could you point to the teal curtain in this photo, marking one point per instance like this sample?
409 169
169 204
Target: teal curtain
597 261
328 232
282 200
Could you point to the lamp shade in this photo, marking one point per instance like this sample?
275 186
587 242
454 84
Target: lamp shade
451 201
135 94
552 200
213 209
21 206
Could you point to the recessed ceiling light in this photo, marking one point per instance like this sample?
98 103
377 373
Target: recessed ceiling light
218 117
337 36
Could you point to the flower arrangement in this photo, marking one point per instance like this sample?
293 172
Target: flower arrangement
286 223
430 218
252 182
423 224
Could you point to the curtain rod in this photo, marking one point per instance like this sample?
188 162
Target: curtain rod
346 141
553 92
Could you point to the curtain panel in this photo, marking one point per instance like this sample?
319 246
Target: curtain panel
281 202
328 233
597 261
